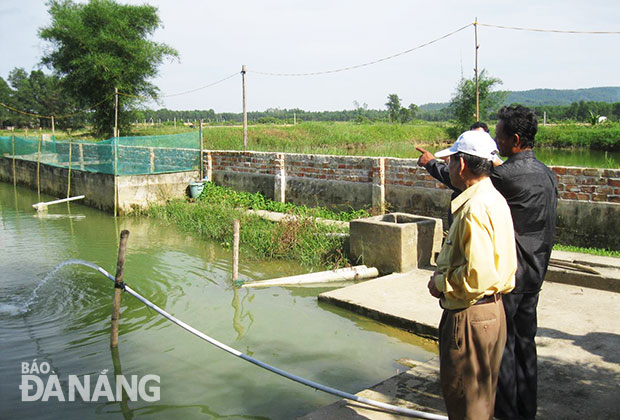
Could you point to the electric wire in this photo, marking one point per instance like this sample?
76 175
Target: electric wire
559 31
364 64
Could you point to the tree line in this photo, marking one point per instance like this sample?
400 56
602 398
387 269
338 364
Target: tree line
99 46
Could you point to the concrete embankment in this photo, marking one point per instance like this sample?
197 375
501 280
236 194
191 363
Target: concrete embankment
578 341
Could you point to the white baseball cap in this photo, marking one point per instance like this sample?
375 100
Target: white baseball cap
475 142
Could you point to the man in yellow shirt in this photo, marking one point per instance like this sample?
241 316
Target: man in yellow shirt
477 264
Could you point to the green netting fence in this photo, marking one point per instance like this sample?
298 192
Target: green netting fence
120 156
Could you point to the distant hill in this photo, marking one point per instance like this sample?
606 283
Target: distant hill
536 97
564 96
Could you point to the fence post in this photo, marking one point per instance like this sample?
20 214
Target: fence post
152 159
81 149
200 164
279 187
235 272
378 185
118 288
209 166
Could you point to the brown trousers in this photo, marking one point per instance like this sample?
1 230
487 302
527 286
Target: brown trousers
471 343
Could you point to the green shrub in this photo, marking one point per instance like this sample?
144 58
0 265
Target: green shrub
303 239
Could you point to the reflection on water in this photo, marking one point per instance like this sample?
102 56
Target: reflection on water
63 318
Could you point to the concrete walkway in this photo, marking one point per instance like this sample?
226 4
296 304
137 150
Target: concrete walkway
578 345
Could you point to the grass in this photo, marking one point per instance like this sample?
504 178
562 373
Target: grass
592 251
312 244
304 240
558 144
604 137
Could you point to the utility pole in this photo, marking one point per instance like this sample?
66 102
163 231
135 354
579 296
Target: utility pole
245 111
476 70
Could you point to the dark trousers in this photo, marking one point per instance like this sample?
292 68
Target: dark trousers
518 375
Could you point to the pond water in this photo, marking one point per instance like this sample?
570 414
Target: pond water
63 319
552 157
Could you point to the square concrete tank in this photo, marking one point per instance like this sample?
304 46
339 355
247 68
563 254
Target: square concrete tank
395 242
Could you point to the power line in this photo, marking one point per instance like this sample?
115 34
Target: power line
56 117
180 93
365 64
517 28
200 88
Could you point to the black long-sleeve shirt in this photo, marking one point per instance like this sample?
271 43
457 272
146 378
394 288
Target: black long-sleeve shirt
439 170
530 188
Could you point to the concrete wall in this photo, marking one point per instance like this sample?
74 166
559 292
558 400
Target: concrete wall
588 210
134 191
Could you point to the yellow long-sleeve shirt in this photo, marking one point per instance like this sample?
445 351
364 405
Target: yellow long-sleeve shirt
479 255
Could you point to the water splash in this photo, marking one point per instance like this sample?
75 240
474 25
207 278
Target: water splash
12 309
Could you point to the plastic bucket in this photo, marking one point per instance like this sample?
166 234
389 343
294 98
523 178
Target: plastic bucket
195 189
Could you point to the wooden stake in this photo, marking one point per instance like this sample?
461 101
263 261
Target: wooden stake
235 250
118 284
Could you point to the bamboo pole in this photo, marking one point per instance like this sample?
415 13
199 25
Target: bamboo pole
236 229
14 170
118 288
53 128
115 145
39 167
115 112
69 175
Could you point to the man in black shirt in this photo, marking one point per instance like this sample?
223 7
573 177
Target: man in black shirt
439 170
530 188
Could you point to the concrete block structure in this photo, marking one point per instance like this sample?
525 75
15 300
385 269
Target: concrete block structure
395 242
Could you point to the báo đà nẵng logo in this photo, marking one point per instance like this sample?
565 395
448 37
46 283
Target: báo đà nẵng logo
40 383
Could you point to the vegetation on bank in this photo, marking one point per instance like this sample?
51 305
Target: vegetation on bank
592 251
312 244
377 139
302 239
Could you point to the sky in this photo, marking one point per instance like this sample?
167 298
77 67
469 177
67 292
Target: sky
215 38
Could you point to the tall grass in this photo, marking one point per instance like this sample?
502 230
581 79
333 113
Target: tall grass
599 137
303 239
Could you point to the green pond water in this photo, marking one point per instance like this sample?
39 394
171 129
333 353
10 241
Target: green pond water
63 319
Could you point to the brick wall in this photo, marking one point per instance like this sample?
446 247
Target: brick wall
581 184
588 184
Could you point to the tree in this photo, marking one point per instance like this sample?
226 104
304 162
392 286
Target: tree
5 94
102 45
393 106
463 103
42 94
413 110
